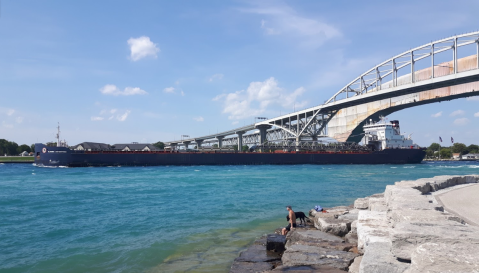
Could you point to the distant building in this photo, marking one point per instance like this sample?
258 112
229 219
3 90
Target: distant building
24 153
456 156
91 146
470 156
145 147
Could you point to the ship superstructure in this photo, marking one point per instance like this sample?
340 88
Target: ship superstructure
383 135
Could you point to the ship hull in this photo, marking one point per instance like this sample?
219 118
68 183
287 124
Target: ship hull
61 156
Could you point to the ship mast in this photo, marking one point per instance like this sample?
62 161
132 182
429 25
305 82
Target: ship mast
58 135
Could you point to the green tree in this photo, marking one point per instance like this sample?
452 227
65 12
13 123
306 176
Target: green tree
159 145
51 144
473 149
445 153
32 147
434 147
245 148
459 148
214 145
23 148
429 153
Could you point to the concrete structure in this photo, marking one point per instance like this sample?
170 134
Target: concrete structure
409 79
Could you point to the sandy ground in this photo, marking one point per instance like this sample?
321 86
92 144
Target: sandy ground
463 202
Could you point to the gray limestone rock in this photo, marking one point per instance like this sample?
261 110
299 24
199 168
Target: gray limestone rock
318 239
406 237
351 238
379 259
441 257
377 204
361 203
348 216
354 267
372 226
256 254
275 242
247 267
333 226
306 269
312 255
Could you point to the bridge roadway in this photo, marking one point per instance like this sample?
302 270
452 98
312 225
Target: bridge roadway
445 81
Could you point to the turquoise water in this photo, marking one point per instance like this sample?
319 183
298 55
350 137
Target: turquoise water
168 219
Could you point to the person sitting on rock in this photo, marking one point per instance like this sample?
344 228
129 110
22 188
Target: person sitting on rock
292 221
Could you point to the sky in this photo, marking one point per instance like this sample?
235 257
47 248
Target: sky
148 71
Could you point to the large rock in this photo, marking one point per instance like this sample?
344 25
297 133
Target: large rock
275 242
354 267
306 269
333 226
441 257
417 216
372 226
247 267
406 237
318 239
312 255
377 204
257 254
361 203
379 259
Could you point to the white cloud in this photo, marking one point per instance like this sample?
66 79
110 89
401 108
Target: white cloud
19 120
96 118
216 77
124 116
476 115
461 121
234 122
142 47
182 93
437 115
476 98
282 20
10 112
457 113
113 111
199 118
111 89
256 99
169 90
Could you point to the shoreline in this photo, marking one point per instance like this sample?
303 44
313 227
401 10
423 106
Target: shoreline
400 230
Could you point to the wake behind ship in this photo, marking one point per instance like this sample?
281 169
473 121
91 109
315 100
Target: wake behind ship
383 145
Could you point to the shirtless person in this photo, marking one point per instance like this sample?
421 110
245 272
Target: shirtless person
292 221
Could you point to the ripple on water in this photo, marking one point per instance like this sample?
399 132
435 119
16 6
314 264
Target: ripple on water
167 219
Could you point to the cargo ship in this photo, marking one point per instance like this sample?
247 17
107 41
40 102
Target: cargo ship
383 144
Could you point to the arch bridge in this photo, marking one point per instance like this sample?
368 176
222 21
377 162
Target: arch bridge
418 76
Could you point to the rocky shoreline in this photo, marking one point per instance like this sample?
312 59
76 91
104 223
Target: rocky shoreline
404 229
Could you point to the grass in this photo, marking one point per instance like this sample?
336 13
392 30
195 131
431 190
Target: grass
16 158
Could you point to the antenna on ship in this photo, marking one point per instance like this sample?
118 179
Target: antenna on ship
58 135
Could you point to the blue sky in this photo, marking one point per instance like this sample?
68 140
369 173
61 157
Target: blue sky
123 71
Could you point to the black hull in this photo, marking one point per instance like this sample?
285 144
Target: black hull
59 156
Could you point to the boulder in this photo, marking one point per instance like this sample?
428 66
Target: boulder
257 254
311 255
372 226
348 216
333 226
306 269
377 204
406 237
441 257
361 203
351 238
275 242
379 259
318 239
406 215
246 267
354 267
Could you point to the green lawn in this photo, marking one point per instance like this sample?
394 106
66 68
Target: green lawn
16 158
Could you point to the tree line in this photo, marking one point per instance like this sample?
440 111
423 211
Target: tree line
435 150
12 148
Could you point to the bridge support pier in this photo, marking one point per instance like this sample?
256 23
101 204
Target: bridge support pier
240 141
220 141
186 143
198 143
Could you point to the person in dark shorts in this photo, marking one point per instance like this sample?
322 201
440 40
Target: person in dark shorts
292 221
